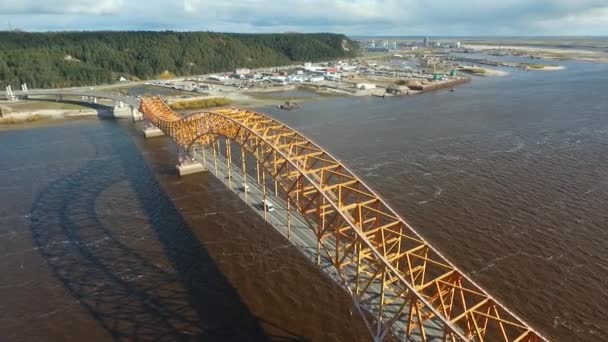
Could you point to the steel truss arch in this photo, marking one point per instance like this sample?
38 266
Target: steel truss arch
404 285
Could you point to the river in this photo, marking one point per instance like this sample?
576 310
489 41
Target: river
507 176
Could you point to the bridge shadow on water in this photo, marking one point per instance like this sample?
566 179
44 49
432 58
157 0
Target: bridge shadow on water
130 295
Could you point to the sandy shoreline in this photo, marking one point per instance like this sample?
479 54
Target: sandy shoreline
545 68
53 113
547 53
29 118
485 72
526 48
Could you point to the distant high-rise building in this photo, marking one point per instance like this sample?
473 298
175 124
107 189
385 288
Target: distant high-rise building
425 42
458 45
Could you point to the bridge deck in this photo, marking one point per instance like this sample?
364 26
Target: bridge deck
80 92
294 227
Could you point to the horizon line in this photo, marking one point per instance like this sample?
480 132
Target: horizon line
17 30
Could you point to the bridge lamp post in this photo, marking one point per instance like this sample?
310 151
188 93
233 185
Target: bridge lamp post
215 154
244 173
264 195
204 157
257 169
320 231
229 158
288 220
276 183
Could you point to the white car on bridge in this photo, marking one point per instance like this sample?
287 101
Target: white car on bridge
268 205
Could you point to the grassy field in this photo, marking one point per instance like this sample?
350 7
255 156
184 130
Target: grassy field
146 90
200 104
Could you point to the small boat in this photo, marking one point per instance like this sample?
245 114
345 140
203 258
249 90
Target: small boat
452 90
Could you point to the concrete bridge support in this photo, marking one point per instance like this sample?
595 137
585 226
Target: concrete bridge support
122 112
9 94
151 131
187 164
136 114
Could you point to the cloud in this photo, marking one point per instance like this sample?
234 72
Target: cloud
355 17
191 6
578 23
33 7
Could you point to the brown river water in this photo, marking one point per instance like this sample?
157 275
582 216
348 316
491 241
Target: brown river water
101 240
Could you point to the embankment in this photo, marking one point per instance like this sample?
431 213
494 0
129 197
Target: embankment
445 84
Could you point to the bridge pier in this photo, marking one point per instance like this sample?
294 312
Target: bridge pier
151 131
136 114
121 112
9 94
187 164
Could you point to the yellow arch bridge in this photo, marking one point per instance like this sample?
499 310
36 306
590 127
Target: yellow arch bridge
402 286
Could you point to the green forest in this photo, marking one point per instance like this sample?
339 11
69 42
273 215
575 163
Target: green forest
65 59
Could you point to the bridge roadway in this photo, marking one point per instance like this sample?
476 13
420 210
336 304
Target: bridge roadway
294 227
79 92
131 110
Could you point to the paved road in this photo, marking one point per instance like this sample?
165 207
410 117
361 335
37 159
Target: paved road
79 92
301 235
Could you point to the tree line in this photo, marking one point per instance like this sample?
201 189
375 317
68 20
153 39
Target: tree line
65 59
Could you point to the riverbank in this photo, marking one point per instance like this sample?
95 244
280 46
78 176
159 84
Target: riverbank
38 120
25 114
16 120
52 113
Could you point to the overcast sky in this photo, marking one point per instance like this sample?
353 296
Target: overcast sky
352 17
